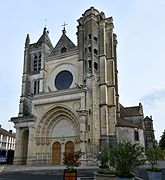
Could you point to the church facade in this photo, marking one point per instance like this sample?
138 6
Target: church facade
69 99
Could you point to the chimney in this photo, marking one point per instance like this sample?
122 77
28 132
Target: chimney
0 125
10 131
150 117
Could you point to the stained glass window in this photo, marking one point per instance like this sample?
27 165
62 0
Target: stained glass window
63 80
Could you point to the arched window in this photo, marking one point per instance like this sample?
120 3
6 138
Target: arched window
37 62
95 65
36 86
95 38
63 50
85 50
95 51
136 135
90 64
89 36
89 49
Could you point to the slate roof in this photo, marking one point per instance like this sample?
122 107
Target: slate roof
43 39
148 119
126 123
131 111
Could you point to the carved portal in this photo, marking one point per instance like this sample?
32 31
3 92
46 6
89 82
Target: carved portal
56 121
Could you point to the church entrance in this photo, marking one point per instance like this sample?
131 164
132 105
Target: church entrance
69 147
56 153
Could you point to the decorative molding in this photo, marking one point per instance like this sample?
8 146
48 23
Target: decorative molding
76 106
39 109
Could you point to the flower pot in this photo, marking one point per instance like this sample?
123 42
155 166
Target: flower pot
104 176
152 175
70 175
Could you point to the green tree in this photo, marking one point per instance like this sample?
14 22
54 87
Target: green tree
162 141
153 155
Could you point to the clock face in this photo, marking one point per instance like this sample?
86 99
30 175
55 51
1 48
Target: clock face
63 80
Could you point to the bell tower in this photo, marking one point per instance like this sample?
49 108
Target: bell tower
98 64
34 70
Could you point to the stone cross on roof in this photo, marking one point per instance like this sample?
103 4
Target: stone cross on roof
64 31
45 22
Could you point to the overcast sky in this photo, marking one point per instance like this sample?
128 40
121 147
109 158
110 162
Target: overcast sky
139 25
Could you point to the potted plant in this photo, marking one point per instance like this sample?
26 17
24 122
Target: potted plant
104 158
125 157
105 174
154 154
71 160
105 171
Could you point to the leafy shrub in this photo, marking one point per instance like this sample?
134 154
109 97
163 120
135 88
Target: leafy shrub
104 158
126 157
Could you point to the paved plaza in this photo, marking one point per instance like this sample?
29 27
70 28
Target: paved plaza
41 172
49 172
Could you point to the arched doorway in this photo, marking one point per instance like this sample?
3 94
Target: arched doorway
69 147
56 153
24 140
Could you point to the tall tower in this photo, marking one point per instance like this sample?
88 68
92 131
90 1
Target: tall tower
34 70
98 65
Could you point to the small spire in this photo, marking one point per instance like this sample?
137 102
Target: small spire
27 42
64 31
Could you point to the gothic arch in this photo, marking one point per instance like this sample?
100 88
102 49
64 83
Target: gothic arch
54 115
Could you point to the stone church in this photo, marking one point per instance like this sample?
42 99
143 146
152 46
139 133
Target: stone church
70 100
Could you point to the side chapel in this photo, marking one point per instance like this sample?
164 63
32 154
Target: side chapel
69 99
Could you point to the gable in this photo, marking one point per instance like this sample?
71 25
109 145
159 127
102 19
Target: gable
63 45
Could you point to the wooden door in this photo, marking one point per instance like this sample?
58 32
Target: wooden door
69 146
56 153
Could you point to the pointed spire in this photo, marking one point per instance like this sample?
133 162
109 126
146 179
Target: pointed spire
27 42
45 38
